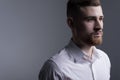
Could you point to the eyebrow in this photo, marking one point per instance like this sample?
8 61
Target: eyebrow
92 17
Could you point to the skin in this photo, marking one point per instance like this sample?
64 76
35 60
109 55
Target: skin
87 28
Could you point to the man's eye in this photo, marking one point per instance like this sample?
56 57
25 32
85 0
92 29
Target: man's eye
101 19
89 19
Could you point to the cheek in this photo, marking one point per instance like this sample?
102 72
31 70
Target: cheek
89 26
102 24
84 28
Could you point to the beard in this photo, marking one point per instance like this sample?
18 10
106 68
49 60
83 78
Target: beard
92 39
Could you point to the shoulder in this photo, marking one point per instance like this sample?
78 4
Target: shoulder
102 53
50 71
61 58
104 56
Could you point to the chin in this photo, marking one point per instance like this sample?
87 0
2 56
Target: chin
95 41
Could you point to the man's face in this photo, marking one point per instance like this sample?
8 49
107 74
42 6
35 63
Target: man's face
87 28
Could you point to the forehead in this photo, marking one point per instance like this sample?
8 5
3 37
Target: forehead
91 11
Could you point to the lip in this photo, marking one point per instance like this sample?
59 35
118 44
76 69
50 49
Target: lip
98 34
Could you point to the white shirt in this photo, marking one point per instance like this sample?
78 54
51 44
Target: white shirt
73 64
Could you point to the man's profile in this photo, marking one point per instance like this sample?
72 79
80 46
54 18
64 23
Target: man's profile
80 59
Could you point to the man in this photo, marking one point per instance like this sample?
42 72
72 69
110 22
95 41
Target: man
80 59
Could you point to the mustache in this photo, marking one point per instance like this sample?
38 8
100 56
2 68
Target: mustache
97 33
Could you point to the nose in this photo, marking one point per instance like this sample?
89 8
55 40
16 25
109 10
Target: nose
98 25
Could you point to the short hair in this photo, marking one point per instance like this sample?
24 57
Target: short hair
74 5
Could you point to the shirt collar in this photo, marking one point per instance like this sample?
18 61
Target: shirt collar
77 55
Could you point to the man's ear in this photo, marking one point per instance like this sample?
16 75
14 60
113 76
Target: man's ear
70 22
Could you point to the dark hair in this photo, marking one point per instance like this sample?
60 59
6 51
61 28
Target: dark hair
74 5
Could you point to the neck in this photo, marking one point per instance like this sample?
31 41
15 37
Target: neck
88 49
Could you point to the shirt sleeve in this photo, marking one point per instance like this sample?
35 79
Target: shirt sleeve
50 71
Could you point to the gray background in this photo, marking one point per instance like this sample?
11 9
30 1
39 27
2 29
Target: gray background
33 30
